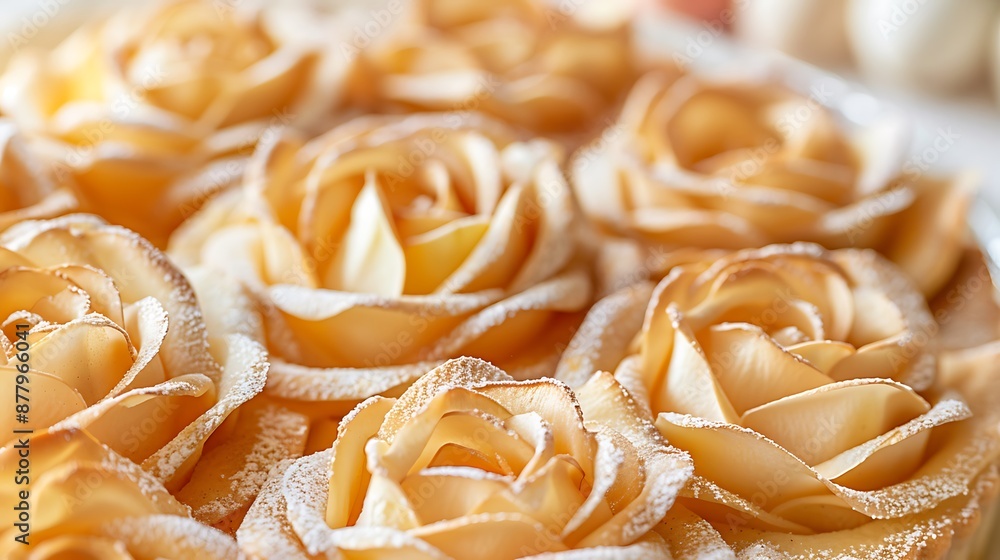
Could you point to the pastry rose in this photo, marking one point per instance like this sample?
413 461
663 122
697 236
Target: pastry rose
151 113
111 339
86 501
547 66
389 245
468 459
710 164
804 365
27 189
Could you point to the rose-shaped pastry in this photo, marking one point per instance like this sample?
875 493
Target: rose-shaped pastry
389 245
469 462
790 373
111 339
711 164
153 113
27 189
545 66
86 501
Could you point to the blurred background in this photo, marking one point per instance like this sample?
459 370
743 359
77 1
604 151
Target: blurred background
938 60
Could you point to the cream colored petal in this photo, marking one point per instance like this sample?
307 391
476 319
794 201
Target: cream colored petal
824 355
438 494
497 258
370 259
497 326
104 296
433 256
81 239
929 534
187 241
881 461
688 384
306 493
836 417
595 180
650 546
243 377
556 404
228 308
483 160
403 447
153 415
75 546
876 317
348 385
931 230
106 346
667 470
752 369
825 513
966 310
259 254
712 502
55 204
460 372
385 505
713 446
348 477
317 305
51 398
439 89
816 179
614 462
628 374
900 357
503 447
865 222
55 299
658 333
810 273
149 323
497 535
869 269
270 83
201 182
172 536
676 226
666 473
549 101
552 203
780 216
70 460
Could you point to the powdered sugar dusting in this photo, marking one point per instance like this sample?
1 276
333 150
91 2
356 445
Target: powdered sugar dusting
174 536
243 377
276 434
266 533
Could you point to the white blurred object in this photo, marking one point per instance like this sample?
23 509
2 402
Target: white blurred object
938 45
810 30
41 23
995 60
